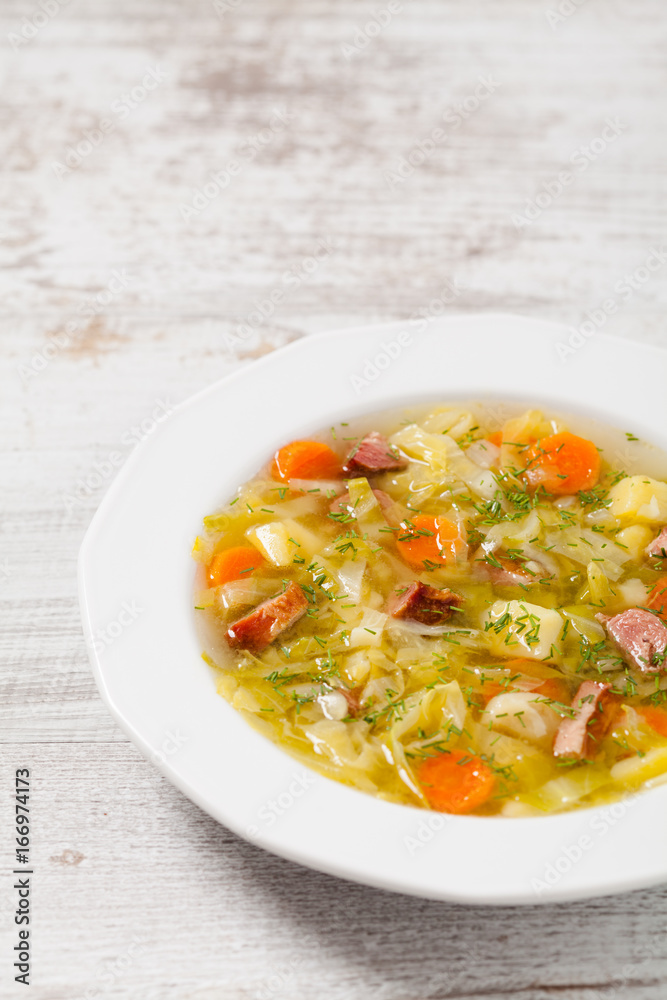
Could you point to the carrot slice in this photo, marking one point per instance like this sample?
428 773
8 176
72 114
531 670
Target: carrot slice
657 599
305 460
490 689
656 718
456 782
427 539
232 564
555 689
522 665
563 463
495 438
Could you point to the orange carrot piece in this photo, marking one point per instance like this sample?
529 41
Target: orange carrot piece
555 689
233 564
656 718
456 782
490 689
562 463
495 438
522 665
427 539
306 460
657 599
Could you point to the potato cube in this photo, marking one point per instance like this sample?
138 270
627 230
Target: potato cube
516 628
273 542
635 770
635 538
281 541
639 498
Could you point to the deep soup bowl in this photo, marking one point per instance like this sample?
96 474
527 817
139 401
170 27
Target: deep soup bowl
136 584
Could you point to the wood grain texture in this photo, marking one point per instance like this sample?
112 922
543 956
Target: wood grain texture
138 894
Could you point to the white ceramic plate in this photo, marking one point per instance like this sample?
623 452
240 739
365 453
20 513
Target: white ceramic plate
136 579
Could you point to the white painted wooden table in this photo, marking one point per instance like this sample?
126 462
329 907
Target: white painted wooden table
116 114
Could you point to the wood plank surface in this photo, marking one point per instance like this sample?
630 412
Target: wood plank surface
425 155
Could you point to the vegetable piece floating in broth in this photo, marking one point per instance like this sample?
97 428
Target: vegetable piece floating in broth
657 599
562 463
343 502
305 460
656 718
232 564
456 782
461 608
427 540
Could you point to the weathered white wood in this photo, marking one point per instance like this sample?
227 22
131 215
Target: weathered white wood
118 852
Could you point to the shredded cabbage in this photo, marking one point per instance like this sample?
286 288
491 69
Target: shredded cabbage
371 673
